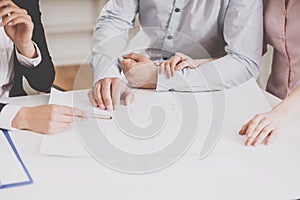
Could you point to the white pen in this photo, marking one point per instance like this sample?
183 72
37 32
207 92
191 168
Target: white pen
99 116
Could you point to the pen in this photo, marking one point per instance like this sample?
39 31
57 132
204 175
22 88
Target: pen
99 116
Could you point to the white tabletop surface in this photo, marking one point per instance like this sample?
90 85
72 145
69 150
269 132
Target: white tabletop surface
85 178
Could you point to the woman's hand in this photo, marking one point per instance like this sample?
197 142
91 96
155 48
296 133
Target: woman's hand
263 127
18 27
180 61
47 119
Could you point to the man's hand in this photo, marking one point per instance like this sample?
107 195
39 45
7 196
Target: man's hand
140 71
47 119
107 92
18 27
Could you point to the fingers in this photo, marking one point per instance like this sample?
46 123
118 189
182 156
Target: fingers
252 125
128 96
127 65
185 64
15 19
137 57
168 70
165 66
98 95
270 137
106 94
6 4
7 9
116 89
243 129
261 136
175 60
258 128
65 114
161 67
261 129
92 98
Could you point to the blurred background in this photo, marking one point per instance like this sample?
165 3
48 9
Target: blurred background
69 26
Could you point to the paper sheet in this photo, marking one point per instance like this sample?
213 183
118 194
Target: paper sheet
138 114
66 143
11 170
241 104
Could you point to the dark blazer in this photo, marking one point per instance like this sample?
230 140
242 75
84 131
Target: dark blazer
40 77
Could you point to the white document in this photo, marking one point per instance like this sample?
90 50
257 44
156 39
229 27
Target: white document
138 114
241 104
11 170
66 143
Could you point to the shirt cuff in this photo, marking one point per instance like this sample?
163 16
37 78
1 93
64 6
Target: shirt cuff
30 62
180 83
7 115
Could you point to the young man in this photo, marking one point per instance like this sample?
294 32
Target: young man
23 52
230 31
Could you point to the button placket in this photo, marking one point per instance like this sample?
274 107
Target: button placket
168 43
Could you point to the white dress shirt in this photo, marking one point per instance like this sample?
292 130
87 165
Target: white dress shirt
7 53
206 28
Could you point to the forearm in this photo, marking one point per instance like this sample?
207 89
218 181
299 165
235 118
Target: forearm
225 72
199 62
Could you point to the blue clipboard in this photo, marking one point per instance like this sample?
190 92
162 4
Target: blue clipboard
30 181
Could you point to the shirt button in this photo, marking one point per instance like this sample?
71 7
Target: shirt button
165 58
169 37
177 10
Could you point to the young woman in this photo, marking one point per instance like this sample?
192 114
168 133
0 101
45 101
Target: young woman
281 19
24 52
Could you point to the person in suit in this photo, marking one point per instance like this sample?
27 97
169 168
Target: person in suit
282 33
24 53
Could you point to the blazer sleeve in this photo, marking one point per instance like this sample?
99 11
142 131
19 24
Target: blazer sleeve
2 106
42 76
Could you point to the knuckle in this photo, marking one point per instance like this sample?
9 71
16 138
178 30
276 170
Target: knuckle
257 116
53 108
24 12
106 100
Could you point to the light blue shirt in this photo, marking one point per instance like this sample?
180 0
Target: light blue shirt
198 28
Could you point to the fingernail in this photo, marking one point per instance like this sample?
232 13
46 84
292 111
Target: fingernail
102 107
109 108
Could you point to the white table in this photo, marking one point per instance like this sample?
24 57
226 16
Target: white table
85 178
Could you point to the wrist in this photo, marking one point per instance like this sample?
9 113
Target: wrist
20 120
153 82
284 110
27 49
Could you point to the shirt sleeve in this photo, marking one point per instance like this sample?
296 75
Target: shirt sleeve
243 34
111 30
7 115
29 62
